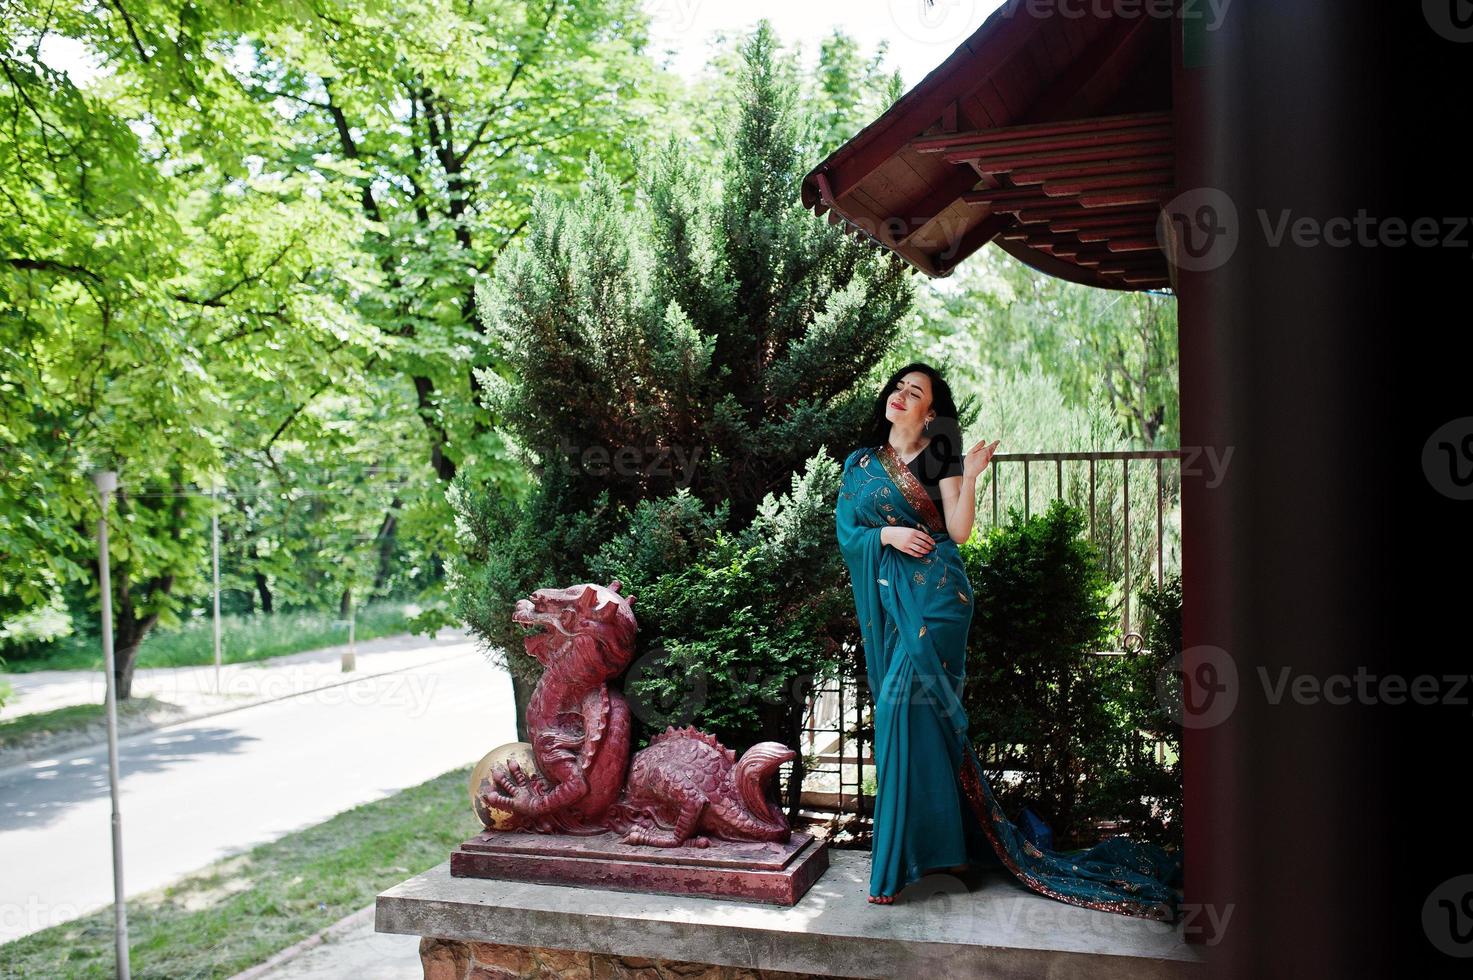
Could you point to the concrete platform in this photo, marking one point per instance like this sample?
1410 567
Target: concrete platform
936 926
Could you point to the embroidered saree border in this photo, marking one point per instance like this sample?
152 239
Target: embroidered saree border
915 493
969 779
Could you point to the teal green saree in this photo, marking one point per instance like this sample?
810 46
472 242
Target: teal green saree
934 807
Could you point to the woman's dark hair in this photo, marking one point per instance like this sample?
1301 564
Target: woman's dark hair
945 429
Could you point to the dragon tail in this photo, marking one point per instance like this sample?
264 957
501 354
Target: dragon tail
754 771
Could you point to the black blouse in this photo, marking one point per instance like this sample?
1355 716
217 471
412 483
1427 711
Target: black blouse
931 466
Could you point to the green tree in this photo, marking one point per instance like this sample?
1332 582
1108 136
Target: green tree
1109 349
850 89
666 368
842 91
444 119
243 251
438 121
715 316
135 260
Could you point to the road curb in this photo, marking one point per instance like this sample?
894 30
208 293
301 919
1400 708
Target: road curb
363 916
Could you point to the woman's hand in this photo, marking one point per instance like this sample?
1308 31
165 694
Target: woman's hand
909 540
977 459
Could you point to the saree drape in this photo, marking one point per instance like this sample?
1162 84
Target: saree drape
934 806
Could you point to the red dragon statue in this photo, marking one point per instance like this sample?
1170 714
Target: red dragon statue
684 788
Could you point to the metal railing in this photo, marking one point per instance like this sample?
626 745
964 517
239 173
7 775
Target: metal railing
836 759
1165 489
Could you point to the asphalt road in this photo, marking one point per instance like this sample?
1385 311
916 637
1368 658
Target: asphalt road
198 791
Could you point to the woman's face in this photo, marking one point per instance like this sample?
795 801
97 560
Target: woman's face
910 399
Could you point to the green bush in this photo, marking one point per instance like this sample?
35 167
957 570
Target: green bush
1146 795
734 629
1036 695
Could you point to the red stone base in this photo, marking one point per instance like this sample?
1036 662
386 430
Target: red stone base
775 873
446 959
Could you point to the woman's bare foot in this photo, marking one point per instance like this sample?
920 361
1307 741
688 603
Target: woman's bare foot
882 899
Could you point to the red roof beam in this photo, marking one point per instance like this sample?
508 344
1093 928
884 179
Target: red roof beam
1036 239
1074 252
1094 124
1113 232
1155 194
1017 162
1139 268
1064 214
1081 185
1118 262
1080 219
1120 165
1123 139
1008 197
1140 244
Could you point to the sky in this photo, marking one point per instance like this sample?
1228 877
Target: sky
920 36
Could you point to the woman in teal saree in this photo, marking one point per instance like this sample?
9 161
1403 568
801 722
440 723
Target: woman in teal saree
914 604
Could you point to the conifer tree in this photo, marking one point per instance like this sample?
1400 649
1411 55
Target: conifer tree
715 316
669 366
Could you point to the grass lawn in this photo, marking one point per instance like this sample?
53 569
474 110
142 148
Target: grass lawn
237 912
242 638
15 732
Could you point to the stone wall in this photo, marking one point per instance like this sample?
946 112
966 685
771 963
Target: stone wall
446 959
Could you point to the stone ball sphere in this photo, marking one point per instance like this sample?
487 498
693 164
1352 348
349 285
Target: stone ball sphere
521 752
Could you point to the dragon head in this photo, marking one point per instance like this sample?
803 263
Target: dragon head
557 616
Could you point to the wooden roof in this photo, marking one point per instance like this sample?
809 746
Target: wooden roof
1051 135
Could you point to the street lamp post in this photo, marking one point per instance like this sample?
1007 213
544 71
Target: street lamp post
215 560
107 483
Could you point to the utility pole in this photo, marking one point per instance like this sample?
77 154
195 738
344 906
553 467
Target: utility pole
350 657
215 549
107 483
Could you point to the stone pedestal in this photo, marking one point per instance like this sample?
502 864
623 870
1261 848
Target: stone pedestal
750 871
940 926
